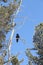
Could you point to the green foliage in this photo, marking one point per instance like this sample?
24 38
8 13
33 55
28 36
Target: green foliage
6 18
7 13
38 44
38 37
15 61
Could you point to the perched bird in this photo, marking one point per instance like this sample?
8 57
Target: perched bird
17 37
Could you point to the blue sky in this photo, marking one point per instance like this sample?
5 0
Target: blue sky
33 10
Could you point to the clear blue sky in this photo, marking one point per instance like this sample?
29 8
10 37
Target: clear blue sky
33 10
